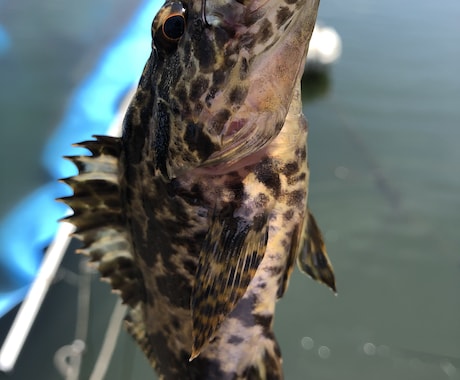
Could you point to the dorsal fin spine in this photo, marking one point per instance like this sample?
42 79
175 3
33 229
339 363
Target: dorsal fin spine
99 219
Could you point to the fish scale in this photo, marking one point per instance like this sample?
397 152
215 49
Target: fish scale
198 212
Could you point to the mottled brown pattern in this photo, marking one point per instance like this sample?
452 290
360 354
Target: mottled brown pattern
197 214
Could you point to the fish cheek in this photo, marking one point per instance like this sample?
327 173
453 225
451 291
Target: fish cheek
203 50
198 141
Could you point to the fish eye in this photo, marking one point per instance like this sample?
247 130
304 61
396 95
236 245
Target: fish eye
174 27
169 25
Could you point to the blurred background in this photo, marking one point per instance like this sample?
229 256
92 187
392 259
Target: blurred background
384 149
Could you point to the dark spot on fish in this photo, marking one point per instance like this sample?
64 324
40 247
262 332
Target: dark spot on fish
172 187
265 31
196 193
196 29
145 82
273 364
169 76
175 107
248 41
238 94
275 270
204 52
237 187
181 93
301 153
243 311
287 216
176 289
218 121
302 176
295 197
187 49
193 197
261 200
235 339
168 365
264 320
290 169
283 14
182 100
134 138
202 365
198 107
291 1
244 68
265 173
211 95
198 87
198 141
222 35
259 222
190 267
229 62
162 136
294 179
218 77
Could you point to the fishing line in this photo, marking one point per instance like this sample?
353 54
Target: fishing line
110 341
68 359
382 182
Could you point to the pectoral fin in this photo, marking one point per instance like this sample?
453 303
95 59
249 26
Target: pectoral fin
312 258
231 253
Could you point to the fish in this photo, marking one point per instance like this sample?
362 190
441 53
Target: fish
198 212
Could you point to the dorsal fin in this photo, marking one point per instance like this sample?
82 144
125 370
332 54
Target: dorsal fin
99 219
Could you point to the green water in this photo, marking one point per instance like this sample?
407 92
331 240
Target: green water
384 151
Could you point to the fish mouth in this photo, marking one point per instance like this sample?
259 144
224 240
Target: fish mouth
272 39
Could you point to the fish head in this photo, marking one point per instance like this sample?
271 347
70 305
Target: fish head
218 84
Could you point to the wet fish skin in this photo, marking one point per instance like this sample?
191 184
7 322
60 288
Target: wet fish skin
197 214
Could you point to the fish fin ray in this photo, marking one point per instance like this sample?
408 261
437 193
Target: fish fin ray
98 216
293 254
229 258
312 258
135 325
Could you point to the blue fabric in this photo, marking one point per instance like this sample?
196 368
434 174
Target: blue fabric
5 41
30 227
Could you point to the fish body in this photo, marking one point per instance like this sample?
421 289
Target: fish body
198 212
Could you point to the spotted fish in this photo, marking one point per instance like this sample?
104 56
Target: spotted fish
198 212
